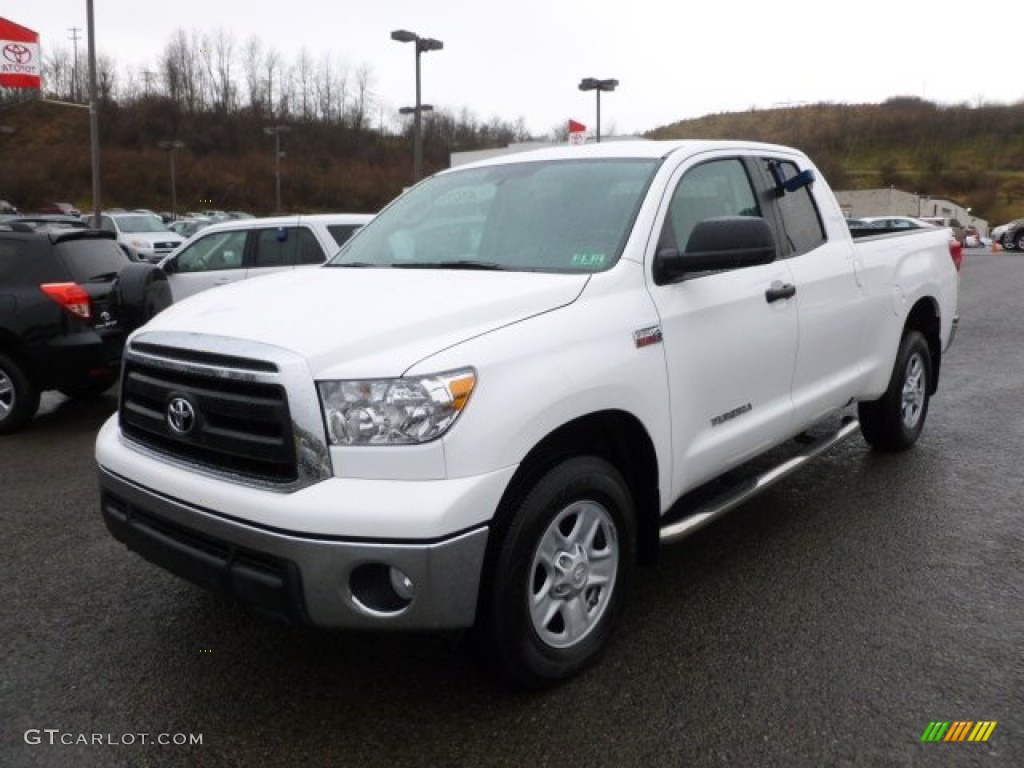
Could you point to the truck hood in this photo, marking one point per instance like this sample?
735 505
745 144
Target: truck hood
367 322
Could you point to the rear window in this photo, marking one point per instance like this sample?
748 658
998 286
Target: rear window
90 259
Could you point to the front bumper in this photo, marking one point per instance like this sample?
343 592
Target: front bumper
319 580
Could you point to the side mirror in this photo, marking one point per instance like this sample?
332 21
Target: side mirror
170 266
724 242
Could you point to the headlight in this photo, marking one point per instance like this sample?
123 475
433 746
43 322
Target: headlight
394 411
141 244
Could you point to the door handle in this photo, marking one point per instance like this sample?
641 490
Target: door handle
779 291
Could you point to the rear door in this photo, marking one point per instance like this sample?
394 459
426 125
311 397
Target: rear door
829 299
277 249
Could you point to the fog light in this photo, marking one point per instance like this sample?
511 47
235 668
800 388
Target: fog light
380 589
401 583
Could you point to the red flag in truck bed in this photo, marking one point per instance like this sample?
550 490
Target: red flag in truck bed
20 62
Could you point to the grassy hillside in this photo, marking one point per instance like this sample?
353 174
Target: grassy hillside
972 155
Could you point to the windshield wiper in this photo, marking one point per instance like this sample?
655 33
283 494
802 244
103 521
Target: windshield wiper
464 264
350 264
103 276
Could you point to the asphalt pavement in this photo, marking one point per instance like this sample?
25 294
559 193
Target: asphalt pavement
826 623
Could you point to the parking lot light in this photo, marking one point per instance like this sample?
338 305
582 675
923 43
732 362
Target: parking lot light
172 147
423 44
593 84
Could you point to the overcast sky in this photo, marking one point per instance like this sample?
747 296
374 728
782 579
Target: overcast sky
525 59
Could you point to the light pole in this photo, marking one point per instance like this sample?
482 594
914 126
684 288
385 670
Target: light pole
172 147
276 131
94 117
593 84
422 44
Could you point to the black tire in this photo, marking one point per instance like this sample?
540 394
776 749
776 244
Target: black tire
895 420
142 291
90 390
19 397
574 576
1007 241
1019 241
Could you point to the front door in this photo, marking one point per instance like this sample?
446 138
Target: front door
730 337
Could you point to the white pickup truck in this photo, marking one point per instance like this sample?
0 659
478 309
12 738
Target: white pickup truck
517 383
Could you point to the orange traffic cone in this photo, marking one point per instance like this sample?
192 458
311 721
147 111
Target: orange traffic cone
995 246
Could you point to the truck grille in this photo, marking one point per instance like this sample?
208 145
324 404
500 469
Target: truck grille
216 417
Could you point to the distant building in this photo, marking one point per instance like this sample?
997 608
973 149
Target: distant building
857 203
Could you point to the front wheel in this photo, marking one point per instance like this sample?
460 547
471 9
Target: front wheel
895 420
560 574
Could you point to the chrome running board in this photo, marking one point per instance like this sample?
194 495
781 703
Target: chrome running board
713 509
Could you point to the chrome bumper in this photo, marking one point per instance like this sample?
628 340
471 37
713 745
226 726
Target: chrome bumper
307 579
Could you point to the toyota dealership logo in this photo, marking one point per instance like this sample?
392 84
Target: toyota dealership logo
16 53
181 416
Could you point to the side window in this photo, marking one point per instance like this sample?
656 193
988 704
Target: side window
275 247
309 248
107 224
10 260
342 232
800 217
716 188
218 250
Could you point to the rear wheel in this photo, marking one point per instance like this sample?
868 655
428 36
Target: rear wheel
560 574
19 397
1020 241
896 419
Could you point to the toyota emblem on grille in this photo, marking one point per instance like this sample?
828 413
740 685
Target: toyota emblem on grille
181 416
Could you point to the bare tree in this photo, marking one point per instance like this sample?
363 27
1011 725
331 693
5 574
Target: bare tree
182 70
324 88
221 63
57 72
304 84
106 77
272 67
252 58
364 97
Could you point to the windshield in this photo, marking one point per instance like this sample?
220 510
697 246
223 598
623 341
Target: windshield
557 216
140 222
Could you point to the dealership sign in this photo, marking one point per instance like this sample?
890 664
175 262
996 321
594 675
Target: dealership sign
19 56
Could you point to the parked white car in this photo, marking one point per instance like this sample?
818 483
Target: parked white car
144 236
239 249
